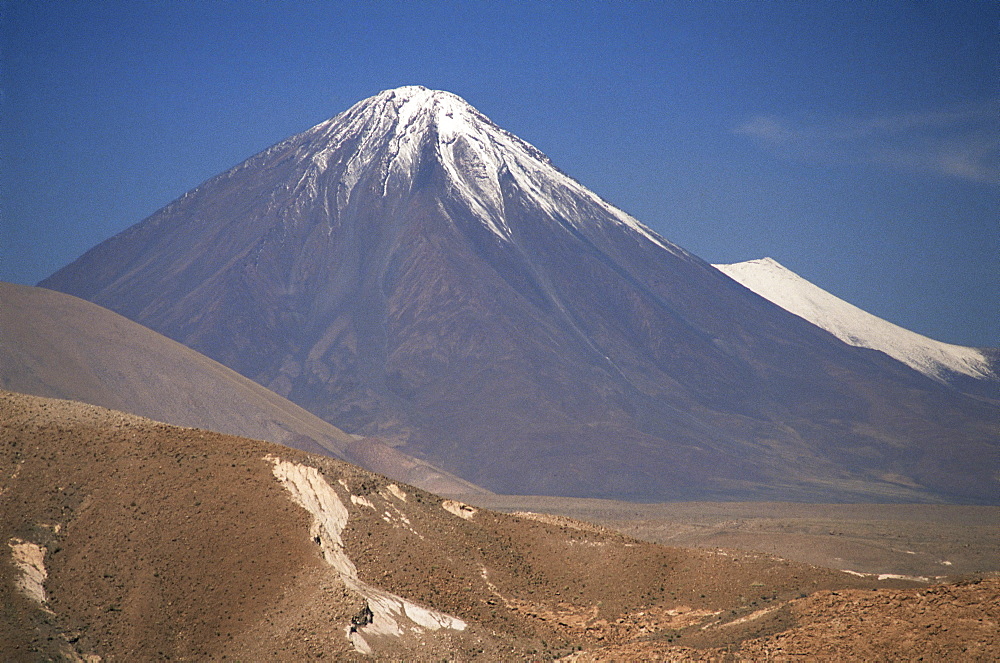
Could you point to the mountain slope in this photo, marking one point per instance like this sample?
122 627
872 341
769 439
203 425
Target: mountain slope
127 539
409 270
938 360
59 346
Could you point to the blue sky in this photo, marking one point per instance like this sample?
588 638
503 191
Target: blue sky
856 143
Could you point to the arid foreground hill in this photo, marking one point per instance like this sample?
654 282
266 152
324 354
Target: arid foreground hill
59 346
127 539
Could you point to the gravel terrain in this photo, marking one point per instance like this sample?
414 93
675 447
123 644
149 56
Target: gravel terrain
928 540
164 543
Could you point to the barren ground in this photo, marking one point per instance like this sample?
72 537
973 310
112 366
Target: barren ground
166 543
909 539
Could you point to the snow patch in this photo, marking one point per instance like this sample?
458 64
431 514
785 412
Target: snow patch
746 618
395 517
887 576
391 615
898 576
396 492
459 509
362 501
856 327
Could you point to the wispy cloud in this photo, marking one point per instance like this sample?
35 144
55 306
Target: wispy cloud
960 142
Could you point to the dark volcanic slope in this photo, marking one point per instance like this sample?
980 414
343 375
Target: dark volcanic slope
410 270
133 541
59 346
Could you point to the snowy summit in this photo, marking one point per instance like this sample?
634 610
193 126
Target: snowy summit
396 130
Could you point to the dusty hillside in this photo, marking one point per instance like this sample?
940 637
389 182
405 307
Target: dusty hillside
60 346
127 539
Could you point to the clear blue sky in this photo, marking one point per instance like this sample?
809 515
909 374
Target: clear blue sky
857 142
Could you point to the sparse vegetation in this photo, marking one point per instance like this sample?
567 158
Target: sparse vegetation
139 563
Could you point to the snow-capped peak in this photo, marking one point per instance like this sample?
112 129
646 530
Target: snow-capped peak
854 326
393 131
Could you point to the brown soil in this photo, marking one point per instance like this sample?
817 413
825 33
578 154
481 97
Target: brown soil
958 622
167 543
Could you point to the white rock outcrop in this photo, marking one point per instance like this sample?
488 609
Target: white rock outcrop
29 559
391 615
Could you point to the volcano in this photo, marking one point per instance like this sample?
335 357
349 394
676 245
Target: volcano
411 272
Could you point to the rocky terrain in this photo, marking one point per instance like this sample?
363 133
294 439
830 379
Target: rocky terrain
127 539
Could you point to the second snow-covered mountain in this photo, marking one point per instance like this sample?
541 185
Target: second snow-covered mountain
941 361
